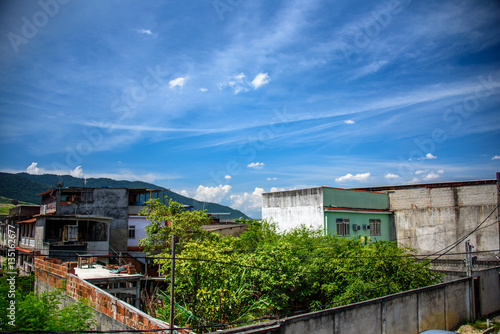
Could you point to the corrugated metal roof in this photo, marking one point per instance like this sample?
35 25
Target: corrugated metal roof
32 220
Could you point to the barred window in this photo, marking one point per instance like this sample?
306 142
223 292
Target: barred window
131 232
375 227
342 226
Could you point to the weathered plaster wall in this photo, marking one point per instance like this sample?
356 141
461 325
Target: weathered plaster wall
292 208
106 202
430 219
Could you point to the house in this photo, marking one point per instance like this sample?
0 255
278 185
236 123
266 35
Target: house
342 212
426 217
21 220
116 203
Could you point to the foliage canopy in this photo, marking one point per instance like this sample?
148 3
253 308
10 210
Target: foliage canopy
23 310
265 272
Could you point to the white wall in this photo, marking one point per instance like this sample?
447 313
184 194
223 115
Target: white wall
294 207
140 222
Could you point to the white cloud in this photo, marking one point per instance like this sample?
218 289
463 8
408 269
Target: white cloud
429 156
272 178
260 80
77 172
212 194
350 177
256 165
248 201
349 121
415 180
391 176
496 157
33 169
178 82
239 82
274 189
228 177
441 171
203 89
184 193
144 31
431 176
421 171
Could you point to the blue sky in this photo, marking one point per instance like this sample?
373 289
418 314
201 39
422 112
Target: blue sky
223 100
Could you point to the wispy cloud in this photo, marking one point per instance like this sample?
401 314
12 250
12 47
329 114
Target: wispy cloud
256 165
144 31
496 157
349 121
391 176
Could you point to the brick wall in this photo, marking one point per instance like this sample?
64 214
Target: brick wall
57 274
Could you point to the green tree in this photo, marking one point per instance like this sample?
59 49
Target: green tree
169 219
265 272
22 310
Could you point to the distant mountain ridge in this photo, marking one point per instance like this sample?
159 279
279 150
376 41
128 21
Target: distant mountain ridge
24 187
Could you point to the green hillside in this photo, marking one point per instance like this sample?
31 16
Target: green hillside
24 187
6 204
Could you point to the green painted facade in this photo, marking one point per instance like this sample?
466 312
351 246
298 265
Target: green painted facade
356 218
343 198
362 202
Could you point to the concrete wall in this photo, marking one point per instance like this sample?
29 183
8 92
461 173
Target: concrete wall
429 219
443 306
106 202
294 207
489 289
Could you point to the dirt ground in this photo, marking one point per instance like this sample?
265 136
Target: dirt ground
468 329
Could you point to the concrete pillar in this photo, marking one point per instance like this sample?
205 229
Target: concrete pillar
498 207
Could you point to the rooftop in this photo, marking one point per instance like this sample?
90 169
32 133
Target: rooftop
101 272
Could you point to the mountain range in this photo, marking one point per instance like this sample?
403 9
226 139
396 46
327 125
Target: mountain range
24 187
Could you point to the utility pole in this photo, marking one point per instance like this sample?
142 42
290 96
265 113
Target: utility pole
468 258
172 284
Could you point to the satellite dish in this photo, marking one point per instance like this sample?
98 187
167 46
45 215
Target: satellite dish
59 184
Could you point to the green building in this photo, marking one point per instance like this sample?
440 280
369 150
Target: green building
344 212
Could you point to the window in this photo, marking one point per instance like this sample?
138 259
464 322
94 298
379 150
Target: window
342 226
131 232
375 227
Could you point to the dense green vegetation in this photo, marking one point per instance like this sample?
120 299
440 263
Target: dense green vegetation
23 310
265 272
6 204
25 187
